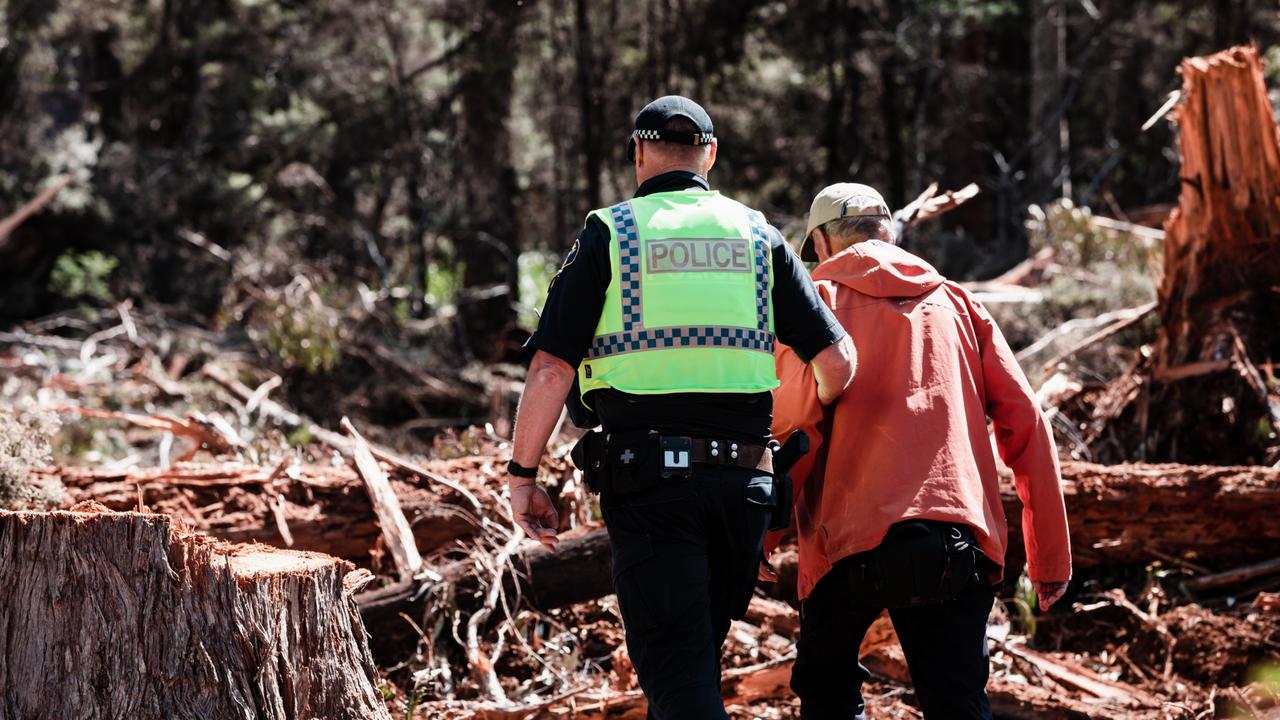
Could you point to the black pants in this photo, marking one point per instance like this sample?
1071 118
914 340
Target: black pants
945 645
685 556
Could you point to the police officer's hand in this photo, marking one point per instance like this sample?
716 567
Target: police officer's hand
532 509
1049 593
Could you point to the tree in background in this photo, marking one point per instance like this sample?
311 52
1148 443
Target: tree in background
420 148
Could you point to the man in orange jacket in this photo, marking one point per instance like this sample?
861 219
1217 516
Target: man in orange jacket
898 506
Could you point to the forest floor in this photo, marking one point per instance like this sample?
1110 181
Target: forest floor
157 417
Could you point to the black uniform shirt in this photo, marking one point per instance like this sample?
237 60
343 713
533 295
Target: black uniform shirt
576 299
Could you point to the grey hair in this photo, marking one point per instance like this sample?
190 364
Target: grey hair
687 154
850 230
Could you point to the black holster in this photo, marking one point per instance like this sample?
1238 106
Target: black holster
781 518
588 456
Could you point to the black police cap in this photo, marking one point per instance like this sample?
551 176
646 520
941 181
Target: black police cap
652 120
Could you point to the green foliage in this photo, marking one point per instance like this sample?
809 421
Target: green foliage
1268 674
443 283
84 275
380 140
1024 602
536 270
1100 270
387 691
300 436
1093 271
1078 243
25 436
299 328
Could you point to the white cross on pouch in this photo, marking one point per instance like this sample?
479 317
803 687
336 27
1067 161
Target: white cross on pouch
627 456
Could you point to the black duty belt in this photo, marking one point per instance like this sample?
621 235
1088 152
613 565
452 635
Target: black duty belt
624 463
673 456
724 453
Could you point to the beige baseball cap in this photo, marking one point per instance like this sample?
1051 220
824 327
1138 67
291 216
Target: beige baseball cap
838 201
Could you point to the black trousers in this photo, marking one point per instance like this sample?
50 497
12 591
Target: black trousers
685 557
945 644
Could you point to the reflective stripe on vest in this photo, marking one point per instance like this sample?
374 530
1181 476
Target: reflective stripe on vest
635 337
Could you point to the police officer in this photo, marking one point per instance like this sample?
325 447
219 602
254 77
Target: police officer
660 326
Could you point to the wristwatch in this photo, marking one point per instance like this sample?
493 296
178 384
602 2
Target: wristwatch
520 471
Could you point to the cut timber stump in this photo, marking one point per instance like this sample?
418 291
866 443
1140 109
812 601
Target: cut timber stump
120 615
1205 396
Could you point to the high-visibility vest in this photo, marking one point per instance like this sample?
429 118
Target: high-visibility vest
688 307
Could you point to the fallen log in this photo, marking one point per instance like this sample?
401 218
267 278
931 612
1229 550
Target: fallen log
579 571
1236 575
1181 509
114 615
1129 514
326 509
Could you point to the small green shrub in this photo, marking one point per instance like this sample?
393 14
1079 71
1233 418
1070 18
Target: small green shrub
78 276
297 326
1095 271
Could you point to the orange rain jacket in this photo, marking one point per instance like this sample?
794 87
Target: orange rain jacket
908 439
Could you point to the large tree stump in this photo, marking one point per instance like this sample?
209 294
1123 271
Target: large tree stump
119 615
1204 397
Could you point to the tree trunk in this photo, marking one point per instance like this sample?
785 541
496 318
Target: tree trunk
1046 93
890 115
1182 507
491 246
119 615
589 118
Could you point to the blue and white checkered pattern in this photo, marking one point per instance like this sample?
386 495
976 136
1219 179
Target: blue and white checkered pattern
673 337
760 242
629 282
635 337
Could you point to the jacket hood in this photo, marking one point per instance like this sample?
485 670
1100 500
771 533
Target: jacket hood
879 269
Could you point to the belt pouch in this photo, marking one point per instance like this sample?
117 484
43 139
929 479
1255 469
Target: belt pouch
589 456
632 461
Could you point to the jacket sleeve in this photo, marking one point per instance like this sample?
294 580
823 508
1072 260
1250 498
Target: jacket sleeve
795 407
1025 442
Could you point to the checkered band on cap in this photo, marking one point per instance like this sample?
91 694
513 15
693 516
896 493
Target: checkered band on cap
698 138
624 222
760 242
680 337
